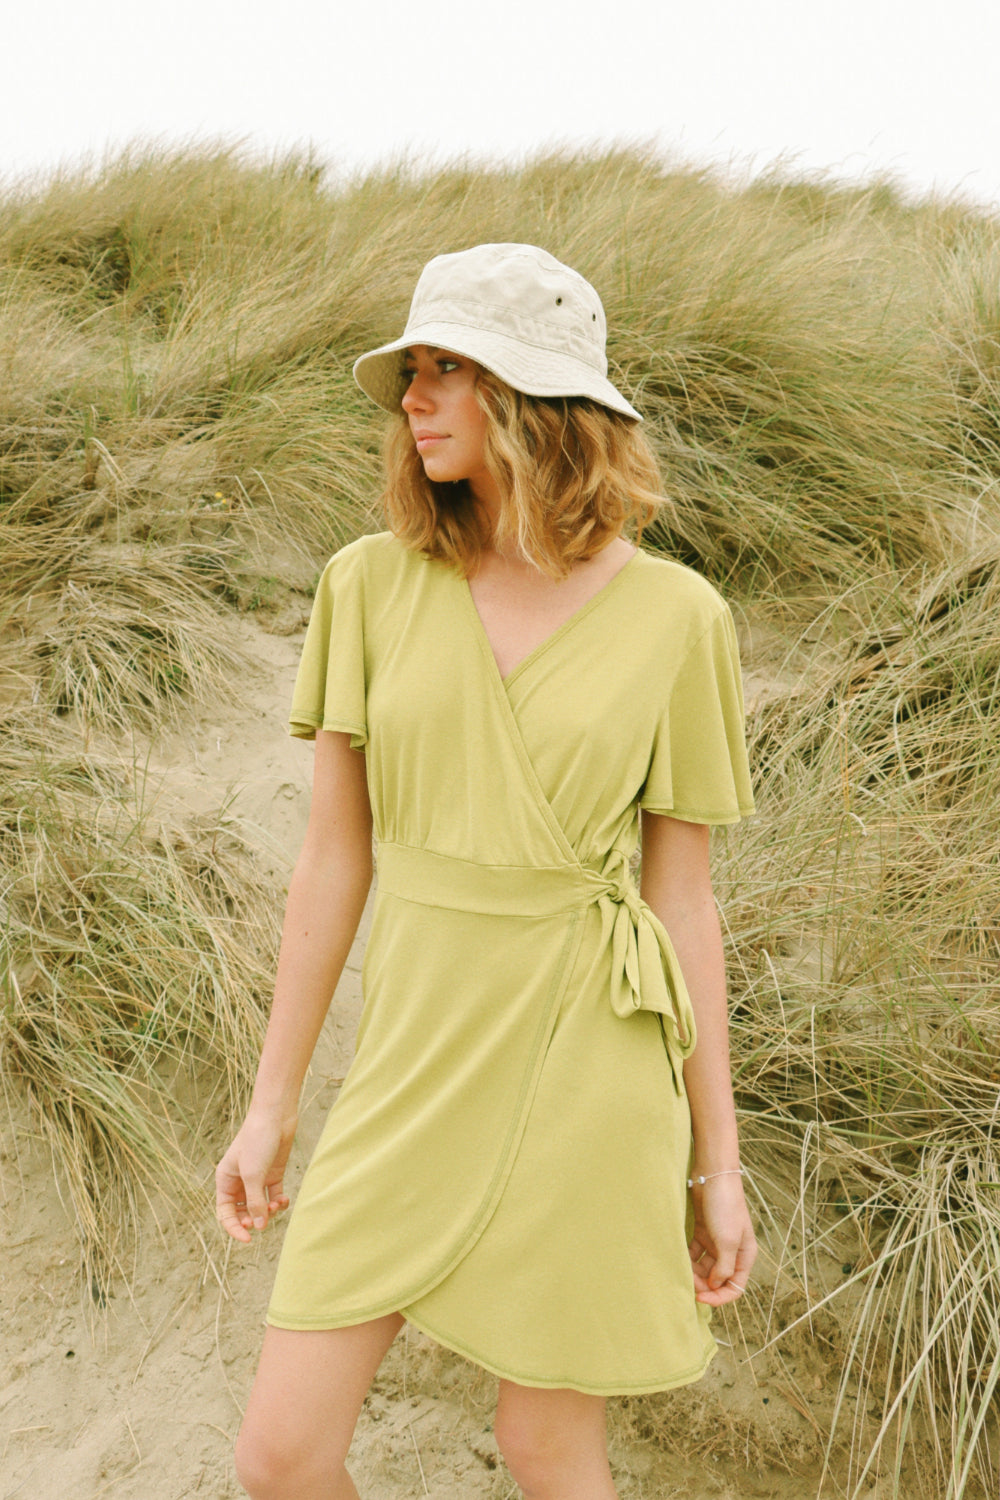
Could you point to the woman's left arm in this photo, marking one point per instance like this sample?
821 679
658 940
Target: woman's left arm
677 885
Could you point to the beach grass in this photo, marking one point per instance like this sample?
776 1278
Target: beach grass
819 366
863 907
137 963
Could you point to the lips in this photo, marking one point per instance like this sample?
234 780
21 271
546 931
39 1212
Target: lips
425 440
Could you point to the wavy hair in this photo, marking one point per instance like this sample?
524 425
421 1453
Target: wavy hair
572 475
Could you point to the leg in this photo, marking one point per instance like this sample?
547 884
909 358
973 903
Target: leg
553 1443
303 1408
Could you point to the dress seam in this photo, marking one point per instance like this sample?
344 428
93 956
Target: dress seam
491 864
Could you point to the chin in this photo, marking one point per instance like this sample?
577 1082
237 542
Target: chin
442 474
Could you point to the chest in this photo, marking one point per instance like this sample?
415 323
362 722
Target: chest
455 757
519 610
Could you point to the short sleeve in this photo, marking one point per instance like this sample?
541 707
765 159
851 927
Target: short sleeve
330 686
699 770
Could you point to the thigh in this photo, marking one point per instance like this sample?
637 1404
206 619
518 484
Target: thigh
310 1386
551 1420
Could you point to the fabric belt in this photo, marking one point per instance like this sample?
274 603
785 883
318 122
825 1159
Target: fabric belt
645 973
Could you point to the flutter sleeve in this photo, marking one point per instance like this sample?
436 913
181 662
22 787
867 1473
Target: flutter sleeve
331 682
699 770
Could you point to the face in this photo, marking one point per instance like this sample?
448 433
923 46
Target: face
446 420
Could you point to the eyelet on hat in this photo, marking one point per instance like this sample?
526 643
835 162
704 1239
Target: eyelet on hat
493 304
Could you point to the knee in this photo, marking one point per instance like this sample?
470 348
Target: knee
257 1465
529 1450
267 1470
553 1441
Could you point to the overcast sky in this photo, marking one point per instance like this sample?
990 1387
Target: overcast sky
906 87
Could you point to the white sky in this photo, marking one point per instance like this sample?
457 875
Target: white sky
908 87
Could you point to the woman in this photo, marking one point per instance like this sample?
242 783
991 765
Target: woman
507 1164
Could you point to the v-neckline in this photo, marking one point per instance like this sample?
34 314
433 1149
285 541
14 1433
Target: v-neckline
553 635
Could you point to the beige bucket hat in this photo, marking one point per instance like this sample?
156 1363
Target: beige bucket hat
515 310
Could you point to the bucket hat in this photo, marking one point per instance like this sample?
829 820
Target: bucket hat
515 310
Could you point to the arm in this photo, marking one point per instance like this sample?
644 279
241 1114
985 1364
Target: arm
325 900
676 884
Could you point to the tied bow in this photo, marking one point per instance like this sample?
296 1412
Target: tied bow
645 972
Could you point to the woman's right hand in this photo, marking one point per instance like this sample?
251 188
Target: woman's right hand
249 1180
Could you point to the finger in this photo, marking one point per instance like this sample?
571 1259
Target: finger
244 1216
229 1217
717 1276
277 1198
732 1267
745 1257
257 1199
724 1265
697 1250
701 1278
230 1203
713 1296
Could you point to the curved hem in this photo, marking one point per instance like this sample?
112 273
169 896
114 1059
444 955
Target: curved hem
713 819
643 1388
304 727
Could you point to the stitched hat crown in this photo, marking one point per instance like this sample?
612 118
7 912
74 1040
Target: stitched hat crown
516 291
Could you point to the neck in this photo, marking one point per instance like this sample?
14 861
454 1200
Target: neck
486 495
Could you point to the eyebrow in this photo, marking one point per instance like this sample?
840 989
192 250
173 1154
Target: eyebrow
409 354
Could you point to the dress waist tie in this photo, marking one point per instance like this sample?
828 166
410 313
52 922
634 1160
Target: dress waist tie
645 973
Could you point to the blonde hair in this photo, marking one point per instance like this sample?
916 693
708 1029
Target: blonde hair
572 473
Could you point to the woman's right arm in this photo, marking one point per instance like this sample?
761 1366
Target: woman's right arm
326 897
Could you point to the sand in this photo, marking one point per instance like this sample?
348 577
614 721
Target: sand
141 1399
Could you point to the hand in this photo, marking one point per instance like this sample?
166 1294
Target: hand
722 1248
249 1180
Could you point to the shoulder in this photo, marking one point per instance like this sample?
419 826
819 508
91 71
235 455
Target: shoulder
678 598
374 579
380 556
366 552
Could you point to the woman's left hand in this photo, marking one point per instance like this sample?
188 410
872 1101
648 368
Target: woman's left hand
723 1248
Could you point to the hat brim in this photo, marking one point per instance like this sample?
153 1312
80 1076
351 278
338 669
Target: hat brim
536 373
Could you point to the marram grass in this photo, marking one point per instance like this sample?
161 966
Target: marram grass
864 909
136 965
820 372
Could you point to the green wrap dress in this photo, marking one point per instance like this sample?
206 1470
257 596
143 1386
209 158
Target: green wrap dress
506 1161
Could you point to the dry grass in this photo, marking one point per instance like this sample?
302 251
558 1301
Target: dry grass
820 369
121 638
864 907
137 960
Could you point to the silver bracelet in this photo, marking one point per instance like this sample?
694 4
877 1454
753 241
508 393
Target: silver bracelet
726 1172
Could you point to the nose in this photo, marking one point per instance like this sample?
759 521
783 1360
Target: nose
417 396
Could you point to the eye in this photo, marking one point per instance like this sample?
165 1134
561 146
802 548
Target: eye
447 365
